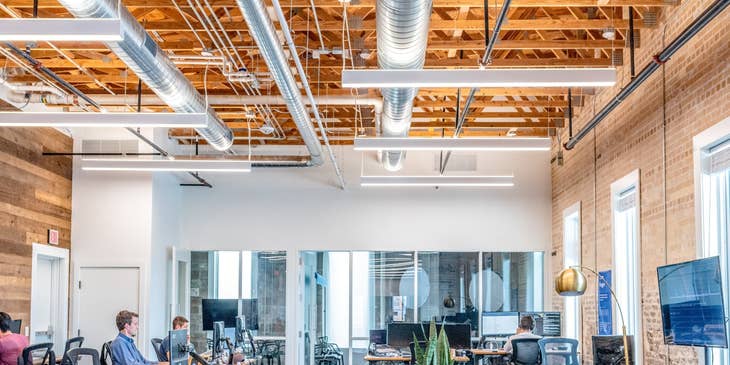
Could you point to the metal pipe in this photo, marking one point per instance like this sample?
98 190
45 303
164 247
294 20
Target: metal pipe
316 24
570 113
695 27
144 56
402 38
631 41
486 59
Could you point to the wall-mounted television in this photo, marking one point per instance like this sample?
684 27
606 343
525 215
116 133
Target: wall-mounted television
692 306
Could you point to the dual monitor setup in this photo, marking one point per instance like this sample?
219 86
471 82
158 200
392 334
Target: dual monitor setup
504 324
219 314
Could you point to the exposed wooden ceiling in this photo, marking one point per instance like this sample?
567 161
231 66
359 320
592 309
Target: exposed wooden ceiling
539 33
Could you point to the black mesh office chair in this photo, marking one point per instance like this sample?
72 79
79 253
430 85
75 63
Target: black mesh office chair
30 352
106 353
558 351
525 351
157 345
71 343
74 356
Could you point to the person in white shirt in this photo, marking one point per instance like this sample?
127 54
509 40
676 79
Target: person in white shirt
523 331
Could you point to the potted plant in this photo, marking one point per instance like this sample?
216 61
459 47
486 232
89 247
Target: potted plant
437 350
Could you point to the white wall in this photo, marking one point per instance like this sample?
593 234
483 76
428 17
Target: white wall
303 209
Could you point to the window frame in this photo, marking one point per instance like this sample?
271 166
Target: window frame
568 214
631 180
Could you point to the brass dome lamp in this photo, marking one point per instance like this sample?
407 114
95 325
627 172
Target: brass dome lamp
572 283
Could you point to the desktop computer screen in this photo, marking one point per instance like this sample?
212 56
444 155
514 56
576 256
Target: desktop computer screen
215 310
547 324
459 335
400 334
499 323
15 326
379 337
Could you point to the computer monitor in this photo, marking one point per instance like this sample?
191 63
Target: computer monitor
215 310
240 329
15 326
499 323
609 350
547 324
401 334
249 309
218 338
459 335
379 337
178 347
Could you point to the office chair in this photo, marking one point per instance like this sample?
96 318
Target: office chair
525 351
75 342
106 353
559 351
270 351
74 356
49 358
157 345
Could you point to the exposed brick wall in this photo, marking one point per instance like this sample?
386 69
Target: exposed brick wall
633 137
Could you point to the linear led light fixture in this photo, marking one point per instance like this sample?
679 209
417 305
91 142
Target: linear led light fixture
452 144
93 119
60 29
175 165
461 181
492 77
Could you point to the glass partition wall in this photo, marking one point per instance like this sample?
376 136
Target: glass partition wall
347 294
257 279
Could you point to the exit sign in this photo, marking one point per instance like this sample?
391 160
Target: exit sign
53 237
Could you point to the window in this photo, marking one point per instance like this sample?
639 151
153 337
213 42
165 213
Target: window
712 167
627 256
571 257
227 275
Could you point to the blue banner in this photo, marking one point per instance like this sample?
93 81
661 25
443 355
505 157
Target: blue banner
605 309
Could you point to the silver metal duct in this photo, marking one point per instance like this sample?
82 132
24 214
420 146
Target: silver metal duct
151 64
402 33
263 32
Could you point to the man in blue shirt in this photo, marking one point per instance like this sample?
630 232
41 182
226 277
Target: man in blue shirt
123 349
178 323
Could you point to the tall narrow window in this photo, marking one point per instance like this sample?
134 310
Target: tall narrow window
227 274
572 257
627 256
713 166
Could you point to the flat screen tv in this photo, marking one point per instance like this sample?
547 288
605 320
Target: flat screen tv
693 311
215 310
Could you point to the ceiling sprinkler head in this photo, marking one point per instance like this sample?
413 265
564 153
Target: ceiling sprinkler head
249 114
609 33
365 54
206 52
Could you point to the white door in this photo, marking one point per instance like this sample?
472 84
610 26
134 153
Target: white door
49 296
103 292
180 288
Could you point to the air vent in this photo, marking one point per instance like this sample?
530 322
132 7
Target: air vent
109 146
458 162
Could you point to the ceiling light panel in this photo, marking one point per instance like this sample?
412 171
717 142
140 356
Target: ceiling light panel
452 144
112 120
173 165
432 181
61 29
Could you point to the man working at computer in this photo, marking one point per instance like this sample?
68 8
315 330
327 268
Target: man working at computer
179 323
124 351
523 331
11 344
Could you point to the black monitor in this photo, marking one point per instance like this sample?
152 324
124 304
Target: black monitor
693 310
15 326
401 334
249 309
215 310
609 350
178 347
379 337
547 324
459 335
218 338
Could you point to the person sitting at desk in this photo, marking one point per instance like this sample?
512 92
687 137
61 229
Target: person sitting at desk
123 349
179 323
11 344
523 331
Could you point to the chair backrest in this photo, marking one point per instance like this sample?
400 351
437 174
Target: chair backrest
75 342
157 345
106 353
74 356
46 349
558 350
251 343
412 347
525 351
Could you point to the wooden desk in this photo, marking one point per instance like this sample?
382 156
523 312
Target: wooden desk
370 358
487 352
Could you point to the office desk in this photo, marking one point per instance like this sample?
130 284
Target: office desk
407 359
488 354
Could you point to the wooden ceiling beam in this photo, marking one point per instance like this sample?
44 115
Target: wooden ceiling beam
43 4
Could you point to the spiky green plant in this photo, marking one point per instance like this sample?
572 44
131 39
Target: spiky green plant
437 350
